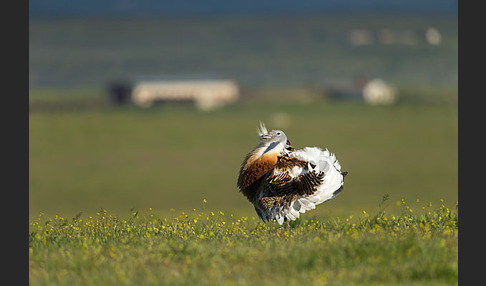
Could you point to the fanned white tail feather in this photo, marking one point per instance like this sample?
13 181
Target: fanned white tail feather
319 161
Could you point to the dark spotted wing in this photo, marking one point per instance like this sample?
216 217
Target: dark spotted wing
282 186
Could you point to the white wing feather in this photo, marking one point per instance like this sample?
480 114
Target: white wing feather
323 161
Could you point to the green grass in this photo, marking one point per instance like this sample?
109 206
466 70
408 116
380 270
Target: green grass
418 247
174 157
167 175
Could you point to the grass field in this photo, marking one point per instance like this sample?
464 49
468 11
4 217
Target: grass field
174 157
207 248
148 197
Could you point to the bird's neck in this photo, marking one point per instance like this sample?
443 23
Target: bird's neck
268 150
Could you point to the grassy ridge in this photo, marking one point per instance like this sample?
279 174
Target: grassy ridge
213 248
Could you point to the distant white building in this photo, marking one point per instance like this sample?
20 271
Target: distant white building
375 91
433 36
206 94
387 36
360 37
378 92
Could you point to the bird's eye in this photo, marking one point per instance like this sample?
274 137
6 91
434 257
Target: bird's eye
278 133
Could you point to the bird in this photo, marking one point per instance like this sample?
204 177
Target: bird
282 182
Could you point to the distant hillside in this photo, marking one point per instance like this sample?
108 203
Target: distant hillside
286 49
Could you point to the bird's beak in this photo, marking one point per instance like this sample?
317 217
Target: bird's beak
265 136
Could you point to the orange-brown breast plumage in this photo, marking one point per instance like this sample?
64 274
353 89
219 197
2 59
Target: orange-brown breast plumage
252 170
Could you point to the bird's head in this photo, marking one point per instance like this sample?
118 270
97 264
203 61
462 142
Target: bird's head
273 138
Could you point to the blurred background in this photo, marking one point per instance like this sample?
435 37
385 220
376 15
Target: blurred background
154 104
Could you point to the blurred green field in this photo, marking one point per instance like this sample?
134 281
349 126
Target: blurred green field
174 157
